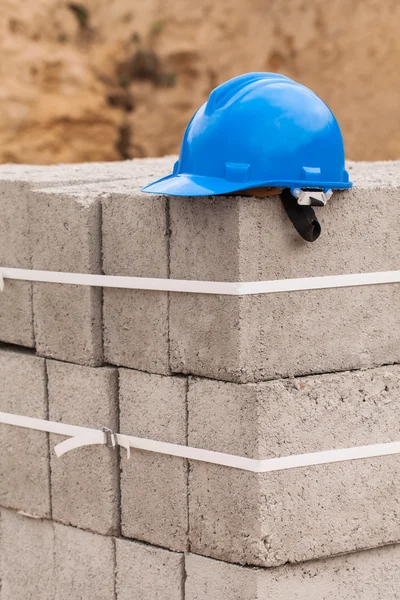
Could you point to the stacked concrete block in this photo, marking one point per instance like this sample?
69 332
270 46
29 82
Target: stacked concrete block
301 514
54 215
148 573
65 233
135 243
46 560
24 454
247 339
154 499
84 483
26 557
16 317
260 376
372 575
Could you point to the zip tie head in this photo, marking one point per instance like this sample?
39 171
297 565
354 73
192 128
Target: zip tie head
109 437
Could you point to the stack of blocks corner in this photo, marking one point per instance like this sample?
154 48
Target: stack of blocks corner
258 376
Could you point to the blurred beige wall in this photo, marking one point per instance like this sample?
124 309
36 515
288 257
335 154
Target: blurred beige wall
112 79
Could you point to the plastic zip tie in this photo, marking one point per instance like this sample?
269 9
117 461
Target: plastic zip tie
204 287
84 436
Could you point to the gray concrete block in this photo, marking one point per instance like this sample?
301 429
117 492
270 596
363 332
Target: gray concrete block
24 453
16 317
154 486
84 482
277 335
70 174
65 232
16 184
84 565
26 558
299 514
67 237
372 575
148 573
135 242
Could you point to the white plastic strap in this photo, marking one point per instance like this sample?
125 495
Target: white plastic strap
203 287
84 436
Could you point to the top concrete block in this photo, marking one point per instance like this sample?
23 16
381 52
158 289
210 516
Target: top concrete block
135 242
69 174
17 247
66 236
256 338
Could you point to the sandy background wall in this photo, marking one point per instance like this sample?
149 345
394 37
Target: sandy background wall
112 79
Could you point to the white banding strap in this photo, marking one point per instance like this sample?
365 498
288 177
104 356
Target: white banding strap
203 287
85 436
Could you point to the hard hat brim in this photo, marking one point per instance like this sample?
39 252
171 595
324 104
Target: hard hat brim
196 185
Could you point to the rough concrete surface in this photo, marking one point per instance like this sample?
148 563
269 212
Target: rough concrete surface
81 173
16 318
26 558
135 243
251 239
24 455
84 565
148 573
299 514
85 482
154 486
371 575
66 237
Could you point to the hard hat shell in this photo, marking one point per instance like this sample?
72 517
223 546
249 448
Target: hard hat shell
258 130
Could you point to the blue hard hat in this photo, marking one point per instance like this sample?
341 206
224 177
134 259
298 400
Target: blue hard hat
258 130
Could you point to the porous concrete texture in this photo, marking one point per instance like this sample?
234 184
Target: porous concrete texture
154 486
24 453
84 482
26 558
148 573
251 239
84 565
135 243
16 318
66 236
370 575
71 174
16 183
299 514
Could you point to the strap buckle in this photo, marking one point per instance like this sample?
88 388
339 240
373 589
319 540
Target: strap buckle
311 198
109 437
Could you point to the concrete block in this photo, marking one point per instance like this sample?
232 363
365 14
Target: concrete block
135 242
371 575
16 317
256 338
24 453
85 482
67 237
148 573
16 183
84 565
299 514
76 173
26 558
65 232
154 486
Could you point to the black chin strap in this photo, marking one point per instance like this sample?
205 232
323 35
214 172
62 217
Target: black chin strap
303 217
